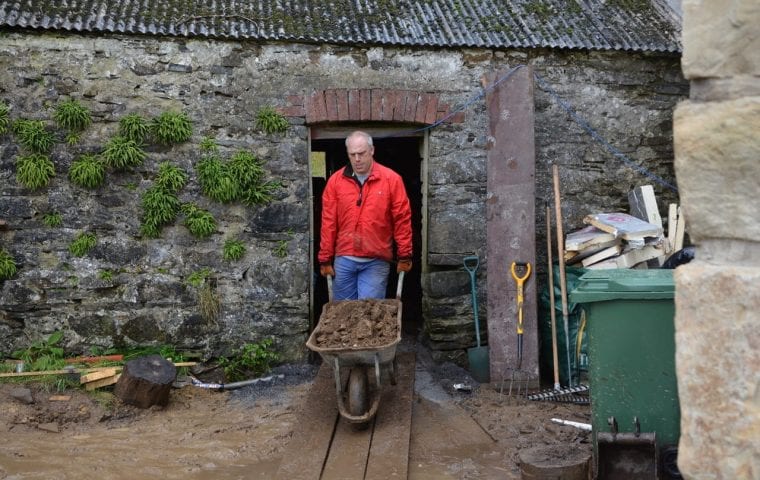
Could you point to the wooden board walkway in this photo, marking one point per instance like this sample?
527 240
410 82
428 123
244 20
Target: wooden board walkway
326 447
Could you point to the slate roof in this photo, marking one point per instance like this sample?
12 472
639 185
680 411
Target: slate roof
634 25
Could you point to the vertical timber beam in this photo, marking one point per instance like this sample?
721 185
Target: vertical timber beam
510 214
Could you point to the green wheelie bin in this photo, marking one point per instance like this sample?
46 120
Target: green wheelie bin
632 377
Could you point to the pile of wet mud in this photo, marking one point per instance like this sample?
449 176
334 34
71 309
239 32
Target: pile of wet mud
358 323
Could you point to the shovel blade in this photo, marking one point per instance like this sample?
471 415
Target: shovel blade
479 364
627 456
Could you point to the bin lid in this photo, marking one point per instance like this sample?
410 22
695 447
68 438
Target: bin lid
603 285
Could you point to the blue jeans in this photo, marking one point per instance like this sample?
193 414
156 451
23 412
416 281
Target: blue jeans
359 280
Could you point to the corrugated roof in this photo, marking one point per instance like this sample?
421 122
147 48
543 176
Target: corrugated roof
636 25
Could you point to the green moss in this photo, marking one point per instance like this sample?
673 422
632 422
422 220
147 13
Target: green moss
539 9
631 5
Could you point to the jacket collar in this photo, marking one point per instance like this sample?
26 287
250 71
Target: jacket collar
349 171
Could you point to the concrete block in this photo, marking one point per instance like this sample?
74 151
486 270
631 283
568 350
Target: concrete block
716 165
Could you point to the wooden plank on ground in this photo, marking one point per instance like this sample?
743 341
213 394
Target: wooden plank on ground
103 382
347 459
53 372
304 456
101 374
389 455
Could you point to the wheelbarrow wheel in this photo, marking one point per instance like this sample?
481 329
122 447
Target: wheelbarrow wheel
357 392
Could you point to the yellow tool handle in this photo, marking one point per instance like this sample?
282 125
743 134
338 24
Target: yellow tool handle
520 280
519 318
520 296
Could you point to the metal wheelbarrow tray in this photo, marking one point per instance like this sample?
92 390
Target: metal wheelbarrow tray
362 360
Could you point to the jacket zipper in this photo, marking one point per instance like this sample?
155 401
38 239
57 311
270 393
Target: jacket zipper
361 191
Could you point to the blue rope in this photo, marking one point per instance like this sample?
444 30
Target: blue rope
595 135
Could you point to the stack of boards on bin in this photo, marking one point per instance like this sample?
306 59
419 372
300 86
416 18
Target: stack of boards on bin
622 240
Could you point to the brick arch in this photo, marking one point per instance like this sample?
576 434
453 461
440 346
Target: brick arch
377 104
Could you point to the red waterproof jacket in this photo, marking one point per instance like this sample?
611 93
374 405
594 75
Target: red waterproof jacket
363 221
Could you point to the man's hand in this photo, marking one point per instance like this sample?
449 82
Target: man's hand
326 269
404 265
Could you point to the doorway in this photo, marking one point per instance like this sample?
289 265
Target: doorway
404 155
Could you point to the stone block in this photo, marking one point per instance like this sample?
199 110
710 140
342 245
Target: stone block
448 231
716 165
717 358
448 283
720 38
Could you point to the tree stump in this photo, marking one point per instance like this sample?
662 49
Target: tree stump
146 381
555 462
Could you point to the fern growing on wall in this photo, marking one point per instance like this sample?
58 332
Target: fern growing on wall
199 221
52 219
241 178
122 153
7 265
171 128
82 244
160 207
34 135
233 250
270 121
216 180
72 116
170 177
34 171
134 127
87 171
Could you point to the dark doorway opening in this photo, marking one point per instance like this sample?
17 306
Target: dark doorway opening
402 154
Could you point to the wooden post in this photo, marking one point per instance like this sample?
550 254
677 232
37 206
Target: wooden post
510 214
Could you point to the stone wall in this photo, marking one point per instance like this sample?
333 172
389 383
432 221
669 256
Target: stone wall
628 98
717 295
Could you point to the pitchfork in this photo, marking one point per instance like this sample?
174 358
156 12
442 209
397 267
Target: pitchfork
522 377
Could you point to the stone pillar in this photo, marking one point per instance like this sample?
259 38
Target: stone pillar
717 145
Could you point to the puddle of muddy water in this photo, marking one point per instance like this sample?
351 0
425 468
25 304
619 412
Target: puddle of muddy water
193 446
119 455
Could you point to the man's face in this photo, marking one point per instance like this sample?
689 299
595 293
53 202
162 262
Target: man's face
360 154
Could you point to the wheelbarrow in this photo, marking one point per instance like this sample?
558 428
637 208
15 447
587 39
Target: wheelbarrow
361 402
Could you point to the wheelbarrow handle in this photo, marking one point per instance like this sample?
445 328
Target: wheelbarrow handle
400 285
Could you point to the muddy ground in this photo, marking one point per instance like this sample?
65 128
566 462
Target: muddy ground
204 434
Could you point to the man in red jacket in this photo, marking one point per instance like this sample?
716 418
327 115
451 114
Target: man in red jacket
364 210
